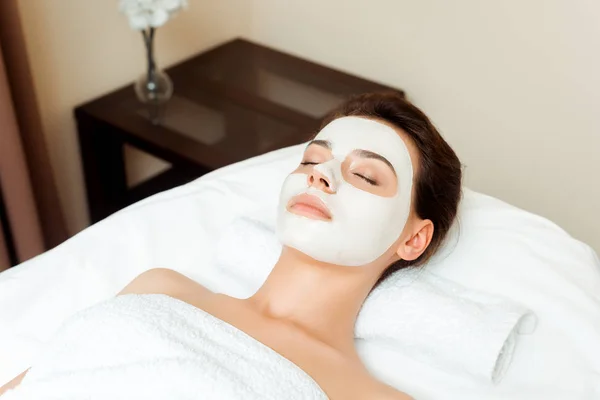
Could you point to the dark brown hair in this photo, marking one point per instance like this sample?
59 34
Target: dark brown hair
437 181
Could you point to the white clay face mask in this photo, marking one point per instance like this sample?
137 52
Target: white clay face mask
363 225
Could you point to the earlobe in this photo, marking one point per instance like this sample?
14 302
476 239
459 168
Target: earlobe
417 243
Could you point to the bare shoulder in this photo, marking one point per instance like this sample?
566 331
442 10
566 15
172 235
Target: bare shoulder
164 281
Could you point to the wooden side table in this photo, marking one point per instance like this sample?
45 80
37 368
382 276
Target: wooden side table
233 102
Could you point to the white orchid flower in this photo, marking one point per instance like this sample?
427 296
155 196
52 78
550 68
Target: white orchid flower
143 14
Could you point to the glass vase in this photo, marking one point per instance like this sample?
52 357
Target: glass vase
154 87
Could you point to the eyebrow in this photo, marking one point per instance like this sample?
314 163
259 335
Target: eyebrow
361 153
322 143
369 154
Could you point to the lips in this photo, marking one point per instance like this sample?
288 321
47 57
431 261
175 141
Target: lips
309 206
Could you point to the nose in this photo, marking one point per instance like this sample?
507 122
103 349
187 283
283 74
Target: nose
319 180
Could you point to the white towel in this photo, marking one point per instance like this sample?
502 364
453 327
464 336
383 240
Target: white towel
442 323
157 347
424 316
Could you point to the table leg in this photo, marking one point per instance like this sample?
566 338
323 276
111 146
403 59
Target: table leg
104 168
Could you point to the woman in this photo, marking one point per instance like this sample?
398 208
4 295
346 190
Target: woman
377 190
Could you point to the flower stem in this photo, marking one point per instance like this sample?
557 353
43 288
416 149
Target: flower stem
149 42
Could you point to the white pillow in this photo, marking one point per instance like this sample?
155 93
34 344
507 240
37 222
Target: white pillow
498 249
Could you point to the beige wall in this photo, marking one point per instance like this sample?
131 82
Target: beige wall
513 85
80 49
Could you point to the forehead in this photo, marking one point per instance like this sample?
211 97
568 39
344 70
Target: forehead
347 134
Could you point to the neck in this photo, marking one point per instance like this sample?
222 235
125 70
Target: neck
321 299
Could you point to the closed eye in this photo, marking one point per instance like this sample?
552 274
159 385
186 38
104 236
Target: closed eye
308 163
368 180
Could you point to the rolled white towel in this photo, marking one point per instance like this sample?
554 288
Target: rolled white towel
424 316
444 324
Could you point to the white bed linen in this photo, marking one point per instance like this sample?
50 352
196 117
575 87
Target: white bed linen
499 249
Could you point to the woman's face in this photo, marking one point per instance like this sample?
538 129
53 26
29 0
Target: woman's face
349 199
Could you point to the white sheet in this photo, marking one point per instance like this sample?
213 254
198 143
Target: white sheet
499 249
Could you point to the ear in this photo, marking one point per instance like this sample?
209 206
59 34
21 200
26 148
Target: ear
417 242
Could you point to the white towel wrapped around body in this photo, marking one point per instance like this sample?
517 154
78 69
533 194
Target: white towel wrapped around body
154 346
414 312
